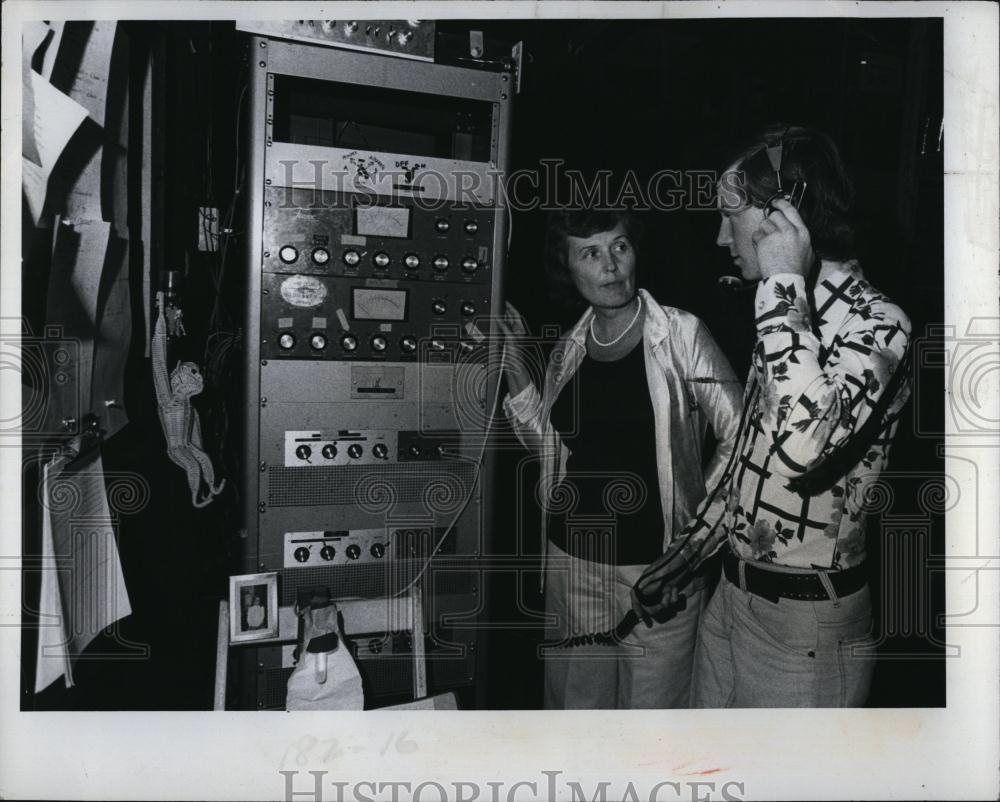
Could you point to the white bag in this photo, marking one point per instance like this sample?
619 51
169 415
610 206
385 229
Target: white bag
325 676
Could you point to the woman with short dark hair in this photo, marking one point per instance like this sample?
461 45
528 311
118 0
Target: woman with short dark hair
618 426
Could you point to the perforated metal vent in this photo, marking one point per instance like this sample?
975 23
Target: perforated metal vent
442 487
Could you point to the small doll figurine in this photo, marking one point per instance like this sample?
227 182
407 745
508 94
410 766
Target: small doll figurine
181 425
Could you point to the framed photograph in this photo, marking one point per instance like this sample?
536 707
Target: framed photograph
253 607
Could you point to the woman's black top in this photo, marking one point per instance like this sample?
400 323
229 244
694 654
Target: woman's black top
605 417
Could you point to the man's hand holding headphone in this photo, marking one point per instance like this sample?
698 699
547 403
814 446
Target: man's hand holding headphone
782 241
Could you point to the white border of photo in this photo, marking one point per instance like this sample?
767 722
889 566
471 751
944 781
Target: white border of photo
938 753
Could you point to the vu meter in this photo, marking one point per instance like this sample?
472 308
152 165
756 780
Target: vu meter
378 304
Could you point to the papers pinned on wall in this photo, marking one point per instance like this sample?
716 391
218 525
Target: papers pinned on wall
56 118
82 587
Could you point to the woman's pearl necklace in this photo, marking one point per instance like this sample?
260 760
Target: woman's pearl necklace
617 339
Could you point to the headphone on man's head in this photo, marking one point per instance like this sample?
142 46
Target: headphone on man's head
775 151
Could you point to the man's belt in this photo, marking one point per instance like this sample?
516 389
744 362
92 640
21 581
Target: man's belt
804 586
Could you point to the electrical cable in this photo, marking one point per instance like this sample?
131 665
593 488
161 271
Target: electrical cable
628 622
479 465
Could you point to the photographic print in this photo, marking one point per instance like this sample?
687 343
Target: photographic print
253 607
620 375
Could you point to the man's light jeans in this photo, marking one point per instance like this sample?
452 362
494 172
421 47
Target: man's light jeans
650 669
753 652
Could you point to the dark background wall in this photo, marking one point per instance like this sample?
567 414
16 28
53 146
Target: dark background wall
599 94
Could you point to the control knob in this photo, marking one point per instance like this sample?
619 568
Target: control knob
349 342
408 344
301 554
379 343
439 307
377 550
380 451
351 258
287 341
328 552
329 451
320 256
469 264
441 263
354 451
303 452
288 254
353 551
317 342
